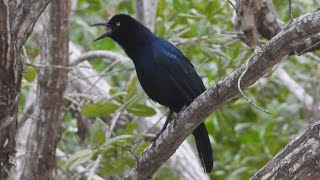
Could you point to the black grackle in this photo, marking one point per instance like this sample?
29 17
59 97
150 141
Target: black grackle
165 74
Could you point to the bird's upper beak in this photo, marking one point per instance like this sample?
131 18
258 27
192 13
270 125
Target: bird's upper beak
109 27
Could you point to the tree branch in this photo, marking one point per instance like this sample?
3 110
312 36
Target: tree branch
295 89
265 58
298 160
28 11
97 54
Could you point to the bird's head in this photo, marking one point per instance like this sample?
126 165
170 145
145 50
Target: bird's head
123 28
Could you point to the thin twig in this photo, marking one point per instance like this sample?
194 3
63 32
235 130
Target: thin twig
105 70
308 48
132 153
25 54
240 90
37 66
290 12
94 167
232 5
116 117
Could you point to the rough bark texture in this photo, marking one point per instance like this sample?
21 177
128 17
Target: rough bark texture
45 128
258 64
246 20
300 159
184 161
17 19
259 17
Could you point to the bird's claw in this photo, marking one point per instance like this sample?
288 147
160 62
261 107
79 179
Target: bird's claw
174 122
153 140
156 137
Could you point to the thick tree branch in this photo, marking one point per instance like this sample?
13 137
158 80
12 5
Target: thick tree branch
259 63
298 160
28 11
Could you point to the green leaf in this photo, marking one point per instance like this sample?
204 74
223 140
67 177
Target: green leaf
141 110
130 128
201 27
78 158
30 73
109 142
99 109
131 89
114 90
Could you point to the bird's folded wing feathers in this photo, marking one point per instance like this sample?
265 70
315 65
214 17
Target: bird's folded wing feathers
179 69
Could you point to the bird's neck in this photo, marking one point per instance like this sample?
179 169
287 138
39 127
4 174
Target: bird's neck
137 42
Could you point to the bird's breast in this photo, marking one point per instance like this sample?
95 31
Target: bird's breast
158 87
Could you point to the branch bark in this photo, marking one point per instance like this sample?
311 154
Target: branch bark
41 145
265 58
298 160
259 17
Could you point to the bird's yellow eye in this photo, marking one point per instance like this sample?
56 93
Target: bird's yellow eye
118 23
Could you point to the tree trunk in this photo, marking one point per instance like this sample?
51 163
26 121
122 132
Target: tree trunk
16 23
10 78
45 128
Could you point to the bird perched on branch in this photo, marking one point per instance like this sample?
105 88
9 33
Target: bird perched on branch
164 73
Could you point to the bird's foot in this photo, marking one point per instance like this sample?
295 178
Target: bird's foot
153 140
156 137
174 119
174 124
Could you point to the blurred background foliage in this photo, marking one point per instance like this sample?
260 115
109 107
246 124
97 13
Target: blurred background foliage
243 138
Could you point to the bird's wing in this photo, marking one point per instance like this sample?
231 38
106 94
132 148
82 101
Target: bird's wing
178 68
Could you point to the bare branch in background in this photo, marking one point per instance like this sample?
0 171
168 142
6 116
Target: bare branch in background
80 169
146 12
295 89
98 54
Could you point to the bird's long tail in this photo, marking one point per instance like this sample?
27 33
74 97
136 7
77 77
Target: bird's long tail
204 147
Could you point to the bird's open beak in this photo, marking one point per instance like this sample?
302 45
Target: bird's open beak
109 28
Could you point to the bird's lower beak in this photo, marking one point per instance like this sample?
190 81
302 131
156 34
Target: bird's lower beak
107 34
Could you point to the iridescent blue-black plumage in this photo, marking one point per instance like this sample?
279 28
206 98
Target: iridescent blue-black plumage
164 73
